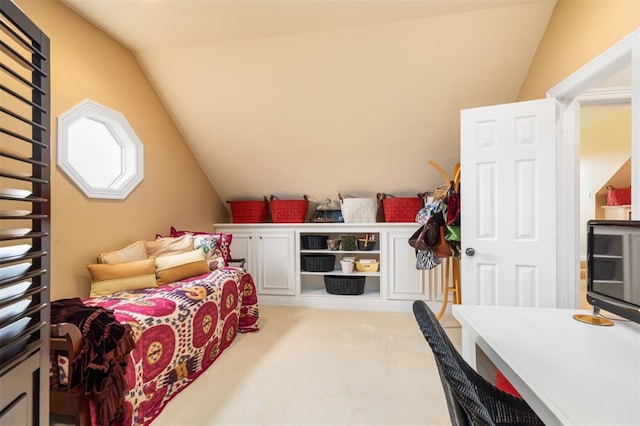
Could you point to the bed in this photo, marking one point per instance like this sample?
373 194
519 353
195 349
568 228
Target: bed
180 329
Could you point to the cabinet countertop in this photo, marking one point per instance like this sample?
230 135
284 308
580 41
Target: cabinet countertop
307 225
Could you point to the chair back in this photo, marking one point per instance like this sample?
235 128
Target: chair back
463 401
470 398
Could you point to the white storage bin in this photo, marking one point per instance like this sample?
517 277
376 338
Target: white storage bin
359 210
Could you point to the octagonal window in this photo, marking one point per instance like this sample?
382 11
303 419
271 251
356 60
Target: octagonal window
99 151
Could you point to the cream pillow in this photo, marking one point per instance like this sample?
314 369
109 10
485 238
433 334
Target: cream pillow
130 253
177 267
164 246
109 279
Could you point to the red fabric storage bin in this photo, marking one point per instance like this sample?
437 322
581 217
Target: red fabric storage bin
618 196
288 211
249 211
401 209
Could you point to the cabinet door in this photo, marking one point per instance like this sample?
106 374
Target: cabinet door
275 266
242 248
405 281
19 394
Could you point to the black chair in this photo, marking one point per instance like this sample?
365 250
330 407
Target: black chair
470 398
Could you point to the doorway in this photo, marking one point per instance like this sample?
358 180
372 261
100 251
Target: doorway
605 160
620 66
612 77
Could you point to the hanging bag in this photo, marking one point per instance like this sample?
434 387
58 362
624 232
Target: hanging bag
453 207
427 237
442 248
431 237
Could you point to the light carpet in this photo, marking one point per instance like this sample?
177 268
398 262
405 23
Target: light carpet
320 367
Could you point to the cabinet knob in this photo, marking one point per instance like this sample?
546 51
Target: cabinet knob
470 251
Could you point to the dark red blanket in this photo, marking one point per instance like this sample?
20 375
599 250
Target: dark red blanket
99 370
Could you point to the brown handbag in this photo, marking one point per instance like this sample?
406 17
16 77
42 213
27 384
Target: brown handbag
431 237
443 248
425 238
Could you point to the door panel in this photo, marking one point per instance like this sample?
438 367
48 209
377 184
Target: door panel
275 263
508 198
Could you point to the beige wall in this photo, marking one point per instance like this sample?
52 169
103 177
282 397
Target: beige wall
86 63
578 31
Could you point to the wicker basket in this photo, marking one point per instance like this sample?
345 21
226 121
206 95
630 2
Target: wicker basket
359 210
349 286
400 209
367 267
314 242
318 263
249 211
366 244
288 211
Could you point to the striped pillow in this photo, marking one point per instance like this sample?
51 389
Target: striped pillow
176 267
108 279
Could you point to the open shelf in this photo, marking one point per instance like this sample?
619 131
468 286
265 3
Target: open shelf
316 292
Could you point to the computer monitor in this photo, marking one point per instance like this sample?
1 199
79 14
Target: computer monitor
613 267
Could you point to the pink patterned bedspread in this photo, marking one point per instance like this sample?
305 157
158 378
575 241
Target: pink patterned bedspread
180 330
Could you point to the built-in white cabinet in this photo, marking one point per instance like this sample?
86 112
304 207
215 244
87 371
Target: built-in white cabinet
275 254
312 283
405 281
275 270
268 258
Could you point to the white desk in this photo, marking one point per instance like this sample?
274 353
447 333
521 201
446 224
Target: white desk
569 372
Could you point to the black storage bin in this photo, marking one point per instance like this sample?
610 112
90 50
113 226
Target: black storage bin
348 286
601 244
604 269
314 242
318 263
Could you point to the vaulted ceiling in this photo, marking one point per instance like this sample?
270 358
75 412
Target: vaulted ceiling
325 96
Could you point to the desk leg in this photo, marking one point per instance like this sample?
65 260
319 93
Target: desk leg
469 348
475 357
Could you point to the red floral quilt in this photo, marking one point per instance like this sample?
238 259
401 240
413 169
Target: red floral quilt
180 330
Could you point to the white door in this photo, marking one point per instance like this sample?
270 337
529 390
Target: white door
508 204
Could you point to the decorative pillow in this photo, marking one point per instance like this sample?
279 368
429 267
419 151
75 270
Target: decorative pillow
165 246
109 279
63 370
176 267
225 246
175 233
130 253
225 241
210 245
